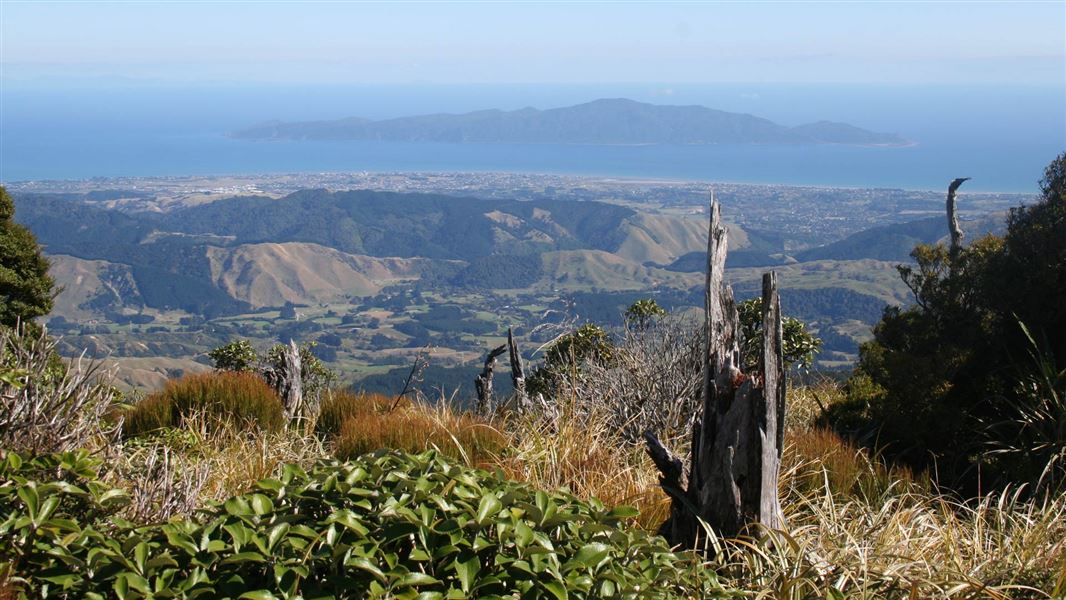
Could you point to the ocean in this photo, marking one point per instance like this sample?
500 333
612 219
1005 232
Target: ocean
1001 137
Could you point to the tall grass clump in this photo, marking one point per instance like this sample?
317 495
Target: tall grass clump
907 544
340 405
818 459
416 427
243 399
579 450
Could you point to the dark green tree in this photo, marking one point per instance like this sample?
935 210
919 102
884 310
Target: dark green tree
1029 277
26 289
939 374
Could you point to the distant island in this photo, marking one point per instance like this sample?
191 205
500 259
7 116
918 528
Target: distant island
607 121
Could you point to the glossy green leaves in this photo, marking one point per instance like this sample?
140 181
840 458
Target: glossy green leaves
386 525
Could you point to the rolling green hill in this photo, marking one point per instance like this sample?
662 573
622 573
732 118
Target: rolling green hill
895 242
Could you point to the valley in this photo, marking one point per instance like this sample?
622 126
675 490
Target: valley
376 268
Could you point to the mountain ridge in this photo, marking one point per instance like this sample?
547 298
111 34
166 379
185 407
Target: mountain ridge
607 121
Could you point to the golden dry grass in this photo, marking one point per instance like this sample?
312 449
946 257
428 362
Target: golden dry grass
906 543
243 399
588 459
371 423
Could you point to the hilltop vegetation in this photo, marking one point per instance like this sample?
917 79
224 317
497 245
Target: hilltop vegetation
278 508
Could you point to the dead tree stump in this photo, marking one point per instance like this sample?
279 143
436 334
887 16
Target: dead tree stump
731 480
953 218
518 374
483 382
290 382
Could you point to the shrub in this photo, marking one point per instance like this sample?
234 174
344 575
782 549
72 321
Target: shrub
314 376
418 428
46 405
798 345
235 356
565 356
243 399
387 525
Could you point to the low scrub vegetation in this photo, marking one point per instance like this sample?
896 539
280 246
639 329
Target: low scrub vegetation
47 405
855 527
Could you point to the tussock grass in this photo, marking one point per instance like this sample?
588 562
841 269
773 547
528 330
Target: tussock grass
579 451
818 458
906 544
415 427
341 405
243 399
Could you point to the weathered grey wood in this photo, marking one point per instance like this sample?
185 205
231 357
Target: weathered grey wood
483 382
736 440
953 218
518 374
772 426
291 382
670 467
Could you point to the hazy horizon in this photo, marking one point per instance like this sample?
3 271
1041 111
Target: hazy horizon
151 88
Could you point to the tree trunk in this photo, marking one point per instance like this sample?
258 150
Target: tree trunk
518 375
483 382
953 218
736 441
291 383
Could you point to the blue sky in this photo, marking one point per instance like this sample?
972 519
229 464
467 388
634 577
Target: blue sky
530 42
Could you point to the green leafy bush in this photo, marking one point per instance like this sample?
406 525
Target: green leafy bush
565 355
242 398
799 346
51 509
384 526
235 356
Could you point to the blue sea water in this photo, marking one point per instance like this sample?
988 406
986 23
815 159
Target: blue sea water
1002 137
